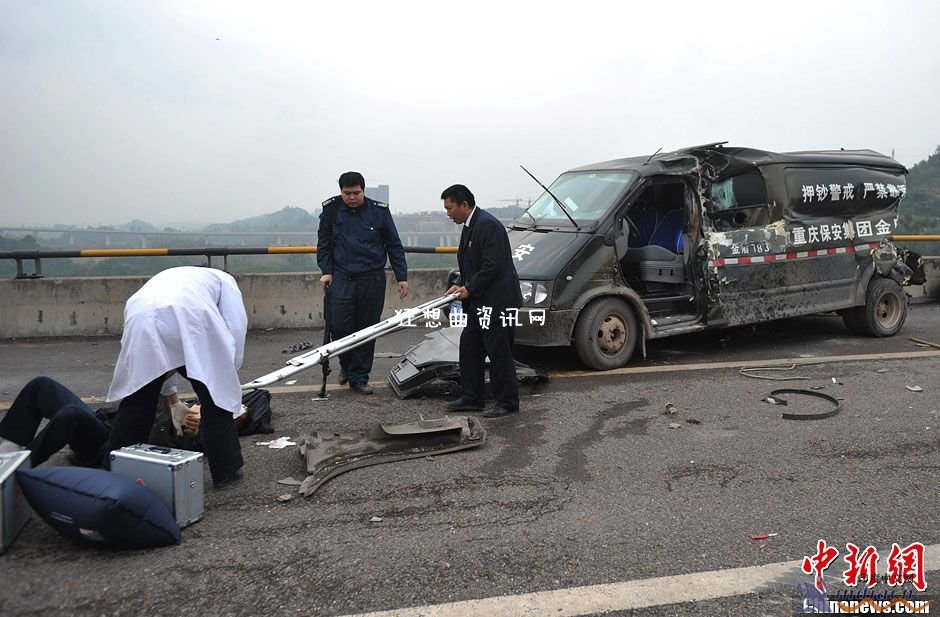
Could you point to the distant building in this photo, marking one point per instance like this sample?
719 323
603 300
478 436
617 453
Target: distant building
378 193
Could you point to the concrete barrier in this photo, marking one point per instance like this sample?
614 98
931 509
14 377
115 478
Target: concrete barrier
95 306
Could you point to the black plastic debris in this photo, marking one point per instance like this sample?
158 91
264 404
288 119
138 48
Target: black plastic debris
436 358
302 346
775 398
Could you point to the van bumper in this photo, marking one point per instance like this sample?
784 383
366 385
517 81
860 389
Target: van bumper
554 331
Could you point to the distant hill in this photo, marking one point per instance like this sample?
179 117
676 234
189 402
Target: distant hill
137 225
298 219
286 219
920 210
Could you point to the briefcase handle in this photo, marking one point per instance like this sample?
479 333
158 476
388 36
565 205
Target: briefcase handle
159 450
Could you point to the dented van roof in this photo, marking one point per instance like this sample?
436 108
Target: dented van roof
737 159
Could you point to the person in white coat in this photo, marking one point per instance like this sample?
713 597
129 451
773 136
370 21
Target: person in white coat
190 320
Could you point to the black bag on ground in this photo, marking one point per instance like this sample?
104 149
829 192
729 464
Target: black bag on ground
258 403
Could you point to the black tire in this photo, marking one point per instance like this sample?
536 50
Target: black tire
854 319
606 334
884 312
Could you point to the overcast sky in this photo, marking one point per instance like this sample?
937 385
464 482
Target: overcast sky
188 110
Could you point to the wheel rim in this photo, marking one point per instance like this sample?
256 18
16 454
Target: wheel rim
611 335
888 311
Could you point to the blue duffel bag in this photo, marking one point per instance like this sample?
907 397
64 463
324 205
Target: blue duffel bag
99 506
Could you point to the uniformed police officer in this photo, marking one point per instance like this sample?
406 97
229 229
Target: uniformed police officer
355 240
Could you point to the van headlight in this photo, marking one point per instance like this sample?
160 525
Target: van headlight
533 292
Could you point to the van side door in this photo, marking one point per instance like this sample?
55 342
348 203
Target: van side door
745 235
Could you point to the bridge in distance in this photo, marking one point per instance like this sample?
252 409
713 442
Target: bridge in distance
149 239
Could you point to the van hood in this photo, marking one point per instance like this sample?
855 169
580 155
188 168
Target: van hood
540 255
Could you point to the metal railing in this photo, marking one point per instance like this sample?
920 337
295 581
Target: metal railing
209 252
224 251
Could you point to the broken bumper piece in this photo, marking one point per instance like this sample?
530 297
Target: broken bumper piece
436 358
331 454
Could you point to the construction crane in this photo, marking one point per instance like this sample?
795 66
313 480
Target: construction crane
519 200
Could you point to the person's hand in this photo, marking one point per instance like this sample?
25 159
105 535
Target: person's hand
402 289
459 289
178 411
191 424
326 280
453 289
241 418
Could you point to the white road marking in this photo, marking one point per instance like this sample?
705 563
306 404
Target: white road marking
644 593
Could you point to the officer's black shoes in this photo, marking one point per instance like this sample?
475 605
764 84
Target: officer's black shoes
221 485
463 404
361 388
343 380
499 412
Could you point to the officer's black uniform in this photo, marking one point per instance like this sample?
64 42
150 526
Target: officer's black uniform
488 273
354 245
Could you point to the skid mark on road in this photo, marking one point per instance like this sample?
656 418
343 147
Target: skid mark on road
573 453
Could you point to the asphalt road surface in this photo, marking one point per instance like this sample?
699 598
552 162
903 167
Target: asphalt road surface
588 485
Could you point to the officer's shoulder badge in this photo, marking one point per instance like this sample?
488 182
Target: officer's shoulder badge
331 200
380 204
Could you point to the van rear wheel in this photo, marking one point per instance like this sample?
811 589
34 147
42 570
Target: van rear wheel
884 312
606 334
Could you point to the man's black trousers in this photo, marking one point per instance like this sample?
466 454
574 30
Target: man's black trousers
476 343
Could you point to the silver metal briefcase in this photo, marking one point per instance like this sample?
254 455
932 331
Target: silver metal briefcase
175 476
15 509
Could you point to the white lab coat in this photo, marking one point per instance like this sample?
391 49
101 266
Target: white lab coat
187 316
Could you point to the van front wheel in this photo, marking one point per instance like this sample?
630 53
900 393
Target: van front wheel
605 335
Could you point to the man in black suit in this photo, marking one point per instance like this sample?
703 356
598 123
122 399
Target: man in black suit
488 287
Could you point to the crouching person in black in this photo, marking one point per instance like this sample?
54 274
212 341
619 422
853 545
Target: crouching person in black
72 423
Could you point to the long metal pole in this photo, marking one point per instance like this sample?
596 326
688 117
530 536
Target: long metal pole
348 343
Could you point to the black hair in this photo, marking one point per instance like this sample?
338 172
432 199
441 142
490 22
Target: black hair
351 179
458 194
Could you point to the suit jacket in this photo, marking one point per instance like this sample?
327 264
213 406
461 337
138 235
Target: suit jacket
485 261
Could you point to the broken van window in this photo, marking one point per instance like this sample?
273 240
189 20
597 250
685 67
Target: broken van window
738 192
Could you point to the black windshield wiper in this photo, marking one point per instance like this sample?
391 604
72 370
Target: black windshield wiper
534 220
557 201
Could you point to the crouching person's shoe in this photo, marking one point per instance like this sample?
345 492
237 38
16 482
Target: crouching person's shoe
343 380
361 387
221 485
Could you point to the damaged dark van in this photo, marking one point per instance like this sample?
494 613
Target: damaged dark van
616 253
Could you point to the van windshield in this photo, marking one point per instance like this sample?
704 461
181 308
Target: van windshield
588 196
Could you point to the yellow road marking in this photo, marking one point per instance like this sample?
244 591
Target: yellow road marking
627 370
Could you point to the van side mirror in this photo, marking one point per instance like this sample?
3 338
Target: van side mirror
610 238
